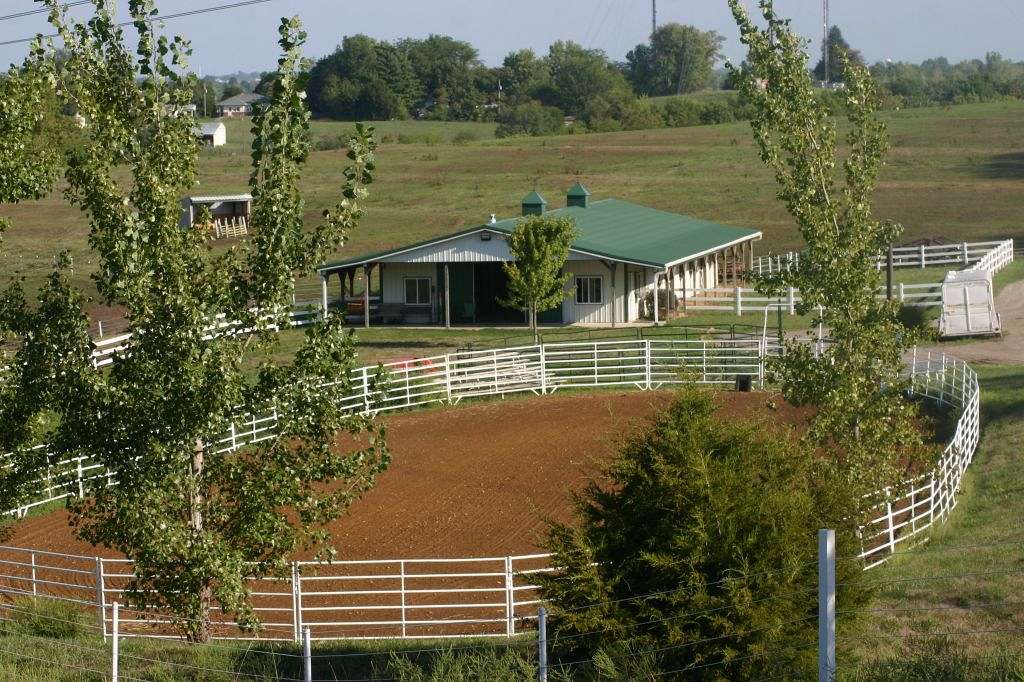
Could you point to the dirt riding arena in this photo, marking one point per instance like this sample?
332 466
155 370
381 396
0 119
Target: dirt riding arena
472 480
435 548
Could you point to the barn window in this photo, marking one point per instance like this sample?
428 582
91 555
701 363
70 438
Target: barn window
417 291
589 290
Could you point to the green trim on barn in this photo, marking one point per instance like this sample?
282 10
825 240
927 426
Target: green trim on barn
613 229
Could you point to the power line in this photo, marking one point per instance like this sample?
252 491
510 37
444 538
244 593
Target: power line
18 15
177 15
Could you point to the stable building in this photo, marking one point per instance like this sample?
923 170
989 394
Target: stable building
628 263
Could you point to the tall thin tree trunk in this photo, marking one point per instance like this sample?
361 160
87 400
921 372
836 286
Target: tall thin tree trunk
200 631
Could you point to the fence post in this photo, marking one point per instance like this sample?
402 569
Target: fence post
99 324
542 644
448 376
792 301
114 627
510 600
647 361
826 605
366 391
307 658
81 483
888 520
931 500
32 558
903 293
401 567
965 253
739 301
101 597
543 372
296 601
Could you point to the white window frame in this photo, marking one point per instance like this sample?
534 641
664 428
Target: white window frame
600 289
405 291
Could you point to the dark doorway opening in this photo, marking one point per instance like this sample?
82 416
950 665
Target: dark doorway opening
490 283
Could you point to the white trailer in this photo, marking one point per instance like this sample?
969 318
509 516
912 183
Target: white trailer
968 304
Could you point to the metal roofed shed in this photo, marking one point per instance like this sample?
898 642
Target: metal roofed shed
229 213
212 134
623 254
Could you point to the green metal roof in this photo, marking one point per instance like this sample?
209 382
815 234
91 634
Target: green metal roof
616 230
534 198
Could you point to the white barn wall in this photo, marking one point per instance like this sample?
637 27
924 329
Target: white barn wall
394 279
586 313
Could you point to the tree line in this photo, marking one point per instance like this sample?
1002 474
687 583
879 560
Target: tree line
573 88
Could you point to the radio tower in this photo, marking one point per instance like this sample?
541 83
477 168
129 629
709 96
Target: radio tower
825 52
654 17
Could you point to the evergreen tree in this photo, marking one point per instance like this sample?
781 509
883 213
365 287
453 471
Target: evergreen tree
839 55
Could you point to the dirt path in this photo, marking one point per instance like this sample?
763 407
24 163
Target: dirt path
478 479
1005 349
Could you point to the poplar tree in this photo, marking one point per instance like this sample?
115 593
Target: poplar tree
856 380
198 522
540 248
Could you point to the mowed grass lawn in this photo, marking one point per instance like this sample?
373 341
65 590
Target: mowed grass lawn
960 595
956 172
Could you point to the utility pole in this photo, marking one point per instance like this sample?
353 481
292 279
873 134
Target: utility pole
654 17
826 53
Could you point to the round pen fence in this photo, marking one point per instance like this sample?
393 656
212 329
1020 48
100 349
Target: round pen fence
482 596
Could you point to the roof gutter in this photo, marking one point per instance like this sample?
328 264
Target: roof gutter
757 236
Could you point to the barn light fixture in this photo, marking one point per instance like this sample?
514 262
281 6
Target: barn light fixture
485 236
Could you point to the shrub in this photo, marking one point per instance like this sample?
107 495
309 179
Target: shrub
716 519
47 618
483 664
529 118
421 138
326 143
680 112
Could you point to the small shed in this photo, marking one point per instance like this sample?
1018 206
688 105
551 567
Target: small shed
229 214
211 134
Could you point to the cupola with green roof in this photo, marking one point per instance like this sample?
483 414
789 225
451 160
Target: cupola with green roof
534 204
577 196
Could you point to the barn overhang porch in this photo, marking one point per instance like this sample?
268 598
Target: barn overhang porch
629 263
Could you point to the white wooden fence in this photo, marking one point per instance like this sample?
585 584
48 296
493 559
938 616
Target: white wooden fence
490 596
740 300
962 254
991 256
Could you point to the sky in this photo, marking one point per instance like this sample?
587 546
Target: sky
244 39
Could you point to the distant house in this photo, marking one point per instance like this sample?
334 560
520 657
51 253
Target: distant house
624 257
240 105
211 134
229 214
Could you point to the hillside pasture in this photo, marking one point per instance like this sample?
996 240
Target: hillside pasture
948 175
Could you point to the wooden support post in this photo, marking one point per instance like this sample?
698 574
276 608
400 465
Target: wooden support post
323 295
686 271
366 295
447 299
656 276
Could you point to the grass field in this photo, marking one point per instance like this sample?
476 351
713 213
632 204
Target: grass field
953 172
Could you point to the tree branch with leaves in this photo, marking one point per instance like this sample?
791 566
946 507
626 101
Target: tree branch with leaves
856 382
199 522
540 248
